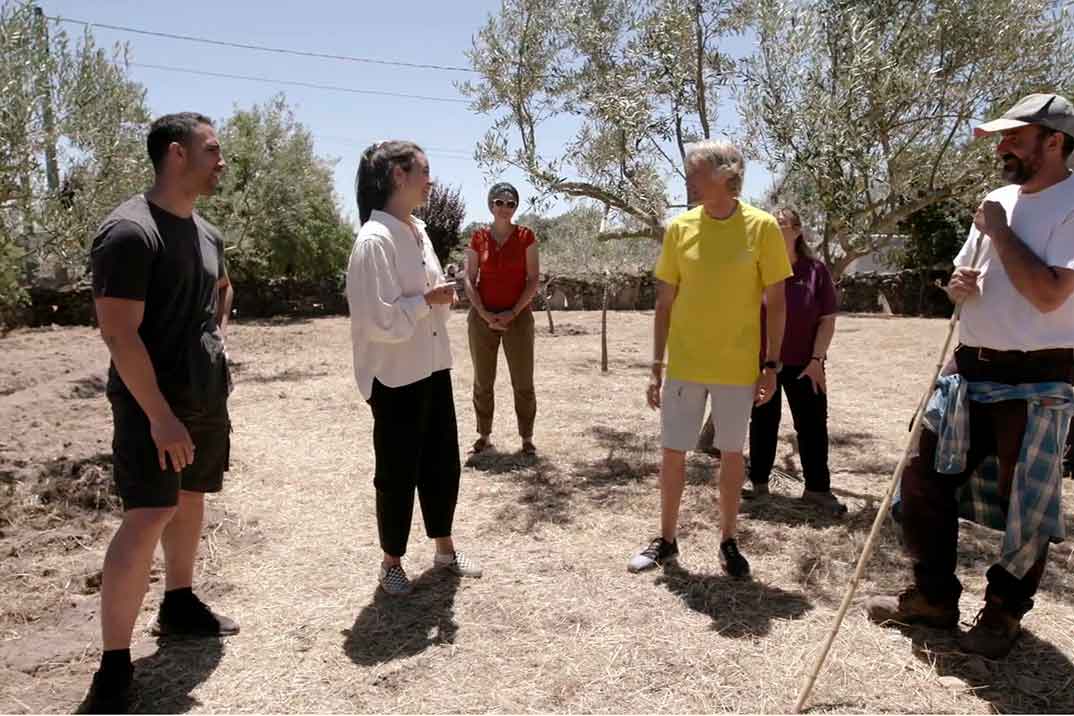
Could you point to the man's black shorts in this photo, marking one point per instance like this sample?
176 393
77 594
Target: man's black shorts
136 468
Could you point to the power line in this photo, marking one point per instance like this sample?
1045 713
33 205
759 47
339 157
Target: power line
352 142
296 83
264 48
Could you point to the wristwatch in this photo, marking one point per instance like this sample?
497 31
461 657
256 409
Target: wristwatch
775 365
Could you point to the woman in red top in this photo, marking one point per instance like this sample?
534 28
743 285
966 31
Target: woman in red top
501 279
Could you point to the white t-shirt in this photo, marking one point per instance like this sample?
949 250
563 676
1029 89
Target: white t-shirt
1001 318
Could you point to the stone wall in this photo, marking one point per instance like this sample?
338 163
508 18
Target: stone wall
911 293
905 293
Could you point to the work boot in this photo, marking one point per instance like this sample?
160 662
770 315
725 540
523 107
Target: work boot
911 607
994 630
758 490
826 501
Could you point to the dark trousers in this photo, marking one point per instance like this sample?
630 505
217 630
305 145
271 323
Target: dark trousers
416 441
809 411
930 507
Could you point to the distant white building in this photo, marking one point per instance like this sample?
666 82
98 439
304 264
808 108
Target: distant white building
878 261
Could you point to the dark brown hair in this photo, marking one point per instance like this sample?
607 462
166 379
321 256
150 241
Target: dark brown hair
801 246
373 183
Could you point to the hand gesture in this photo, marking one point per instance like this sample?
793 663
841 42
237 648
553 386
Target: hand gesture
991 218
500 321
964 284
656 380
173 441
765 388
444 295
815 372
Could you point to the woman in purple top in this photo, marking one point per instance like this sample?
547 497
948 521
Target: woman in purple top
811 311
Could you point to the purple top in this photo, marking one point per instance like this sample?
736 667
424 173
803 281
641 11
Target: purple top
810 295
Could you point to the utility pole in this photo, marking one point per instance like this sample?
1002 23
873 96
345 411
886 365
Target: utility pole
44 87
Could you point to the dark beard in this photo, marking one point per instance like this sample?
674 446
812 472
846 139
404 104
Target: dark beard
1016 171
1019 171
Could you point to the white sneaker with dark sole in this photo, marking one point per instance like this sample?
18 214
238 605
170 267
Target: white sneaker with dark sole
458 564
658 553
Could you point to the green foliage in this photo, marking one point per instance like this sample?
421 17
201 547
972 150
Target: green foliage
443 214
72 130
870 105
638 78
935 235
276 204
569 246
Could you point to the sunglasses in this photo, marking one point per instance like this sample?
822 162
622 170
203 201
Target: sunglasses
509 203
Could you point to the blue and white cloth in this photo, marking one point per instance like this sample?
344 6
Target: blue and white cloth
1032 515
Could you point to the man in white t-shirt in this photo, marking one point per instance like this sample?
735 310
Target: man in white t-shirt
1017 329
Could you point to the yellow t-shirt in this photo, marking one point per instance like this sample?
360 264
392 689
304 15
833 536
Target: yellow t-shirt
721 267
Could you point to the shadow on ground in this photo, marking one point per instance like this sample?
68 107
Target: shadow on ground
794 512
545 499
289 375
738 608
164 681
397 627
1036 677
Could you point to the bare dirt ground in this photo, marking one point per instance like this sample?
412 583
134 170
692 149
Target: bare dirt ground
557 624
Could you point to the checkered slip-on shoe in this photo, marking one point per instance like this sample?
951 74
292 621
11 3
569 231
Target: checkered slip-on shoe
393 580
458 564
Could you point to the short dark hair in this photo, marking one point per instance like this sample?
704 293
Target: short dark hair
171 128
373 184
502 187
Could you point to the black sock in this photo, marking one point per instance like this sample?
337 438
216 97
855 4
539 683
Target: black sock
116 665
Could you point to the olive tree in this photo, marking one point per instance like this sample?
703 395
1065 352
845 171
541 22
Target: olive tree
636 80
867 108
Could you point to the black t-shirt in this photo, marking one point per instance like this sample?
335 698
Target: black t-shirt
173 264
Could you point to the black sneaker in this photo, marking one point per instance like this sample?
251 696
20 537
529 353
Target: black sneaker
659 552
192 619
108 696
732 560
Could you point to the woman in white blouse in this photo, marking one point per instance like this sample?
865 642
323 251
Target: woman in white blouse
399 304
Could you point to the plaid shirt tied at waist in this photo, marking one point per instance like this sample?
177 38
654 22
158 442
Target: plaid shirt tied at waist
1032 515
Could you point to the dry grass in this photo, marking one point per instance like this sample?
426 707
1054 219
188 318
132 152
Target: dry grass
557 624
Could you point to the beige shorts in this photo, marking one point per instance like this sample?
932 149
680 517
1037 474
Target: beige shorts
682 408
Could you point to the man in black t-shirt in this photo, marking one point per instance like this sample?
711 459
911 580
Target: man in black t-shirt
162 297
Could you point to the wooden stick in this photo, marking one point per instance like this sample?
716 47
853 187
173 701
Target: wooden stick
885 504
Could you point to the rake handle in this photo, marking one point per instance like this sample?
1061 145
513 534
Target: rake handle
885 504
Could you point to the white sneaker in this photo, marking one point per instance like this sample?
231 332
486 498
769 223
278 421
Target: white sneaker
393 580
457 564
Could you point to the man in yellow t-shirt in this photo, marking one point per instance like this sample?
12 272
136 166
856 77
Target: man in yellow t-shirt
719 259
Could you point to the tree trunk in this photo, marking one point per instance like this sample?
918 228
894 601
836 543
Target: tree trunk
826 244
548 305
604 330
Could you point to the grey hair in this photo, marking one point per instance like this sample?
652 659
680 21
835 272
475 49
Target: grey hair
722 157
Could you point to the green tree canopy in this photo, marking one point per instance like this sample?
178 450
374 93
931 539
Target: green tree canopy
276 204
443 214
72 146
869 106
638 78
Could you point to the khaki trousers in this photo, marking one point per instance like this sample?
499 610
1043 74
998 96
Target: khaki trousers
484 351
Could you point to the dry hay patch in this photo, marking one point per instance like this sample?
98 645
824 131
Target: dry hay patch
557 624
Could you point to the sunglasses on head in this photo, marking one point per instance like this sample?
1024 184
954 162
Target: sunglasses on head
509 203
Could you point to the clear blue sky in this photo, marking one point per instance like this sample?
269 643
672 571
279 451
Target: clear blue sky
432 32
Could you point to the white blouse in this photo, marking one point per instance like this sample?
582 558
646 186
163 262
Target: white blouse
397 337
